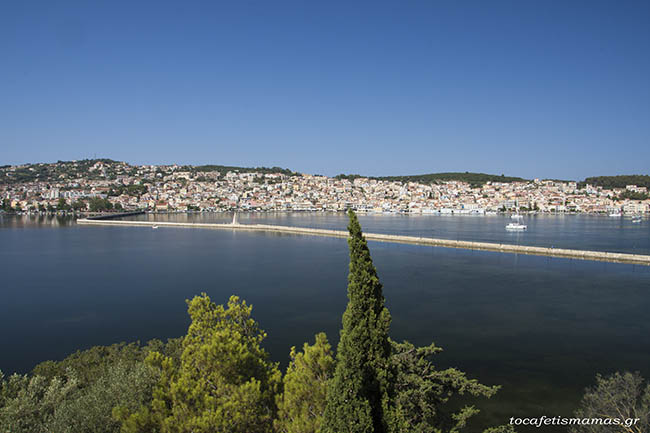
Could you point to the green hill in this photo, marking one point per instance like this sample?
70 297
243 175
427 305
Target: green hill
475 179
60 170
226 168
609 182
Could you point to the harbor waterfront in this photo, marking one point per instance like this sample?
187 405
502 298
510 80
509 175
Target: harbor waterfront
542 327
503 248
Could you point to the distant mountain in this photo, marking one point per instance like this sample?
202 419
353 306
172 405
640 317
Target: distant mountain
475 179
609 182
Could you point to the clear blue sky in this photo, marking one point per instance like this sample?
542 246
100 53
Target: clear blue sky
528 88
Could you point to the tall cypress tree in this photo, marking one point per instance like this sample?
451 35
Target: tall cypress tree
359 393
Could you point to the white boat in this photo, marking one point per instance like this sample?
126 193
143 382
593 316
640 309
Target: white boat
636 219
615 214
154 227
516 227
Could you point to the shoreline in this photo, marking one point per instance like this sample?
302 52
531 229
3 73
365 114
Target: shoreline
438 212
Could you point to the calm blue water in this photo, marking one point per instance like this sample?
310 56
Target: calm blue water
541 327
588 232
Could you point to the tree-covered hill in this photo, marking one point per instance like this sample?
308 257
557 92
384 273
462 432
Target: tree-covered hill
222 169
50 172
90 169
609 182
475 179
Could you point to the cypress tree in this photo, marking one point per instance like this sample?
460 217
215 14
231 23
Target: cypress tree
359 394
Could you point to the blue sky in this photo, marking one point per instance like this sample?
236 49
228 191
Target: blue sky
557 89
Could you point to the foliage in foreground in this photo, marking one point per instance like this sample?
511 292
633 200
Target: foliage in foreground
78 394
302 403
380 385
224 381
422 392
359 395
622 396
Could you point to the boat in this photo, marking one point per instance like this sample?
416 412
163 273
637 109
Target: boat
615 214
154 227
516 227
636 219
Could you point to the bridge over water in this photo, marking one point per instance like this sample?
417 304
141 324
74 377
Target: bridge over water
446 243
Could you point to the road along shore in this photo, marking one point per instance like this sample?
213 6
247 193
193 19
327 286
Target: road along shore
638 259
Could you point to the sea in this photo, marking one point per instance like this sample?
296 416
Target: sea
539 327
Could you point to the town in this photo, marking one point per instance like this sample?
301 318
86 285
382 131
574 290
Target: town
106 185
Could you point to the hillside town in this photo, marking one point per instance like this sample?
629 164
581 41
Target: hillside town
101 185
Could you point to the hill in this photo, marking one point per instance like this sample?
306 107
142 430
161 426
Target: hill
609 182
49 172
475 179
222 169
68 170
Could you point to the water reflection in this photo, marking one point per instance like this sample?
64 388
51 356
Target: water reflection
36 220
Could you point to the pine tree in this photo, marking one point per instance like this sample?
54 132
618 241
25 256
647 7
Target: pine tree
358 398
301 405
422 393
224 383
